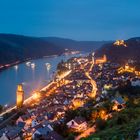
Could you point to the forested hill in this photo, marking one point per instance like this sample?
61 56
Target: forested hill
120 53
19 48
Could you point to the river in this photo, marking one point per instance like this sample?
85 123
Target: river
32 78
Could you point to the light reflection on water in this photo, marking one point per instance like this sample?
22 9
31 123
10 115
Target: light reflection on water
32 78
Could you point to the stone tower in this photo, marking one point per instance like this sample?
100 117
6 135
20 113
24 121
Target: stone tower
20 96
93 54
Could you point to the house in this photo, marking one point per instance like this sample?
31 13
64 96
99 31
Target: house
14 133
135 83
77 103
119 104
4 137
40 118
34 123
27 135
21 124
42 132
11 133
78 124
54 136
23 118
66 102
50 115
80 95
55 101
60 112
119 101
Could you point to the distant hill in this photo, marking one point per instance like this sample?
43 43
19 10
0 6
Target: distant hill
18 47
76 45
121 54
15 47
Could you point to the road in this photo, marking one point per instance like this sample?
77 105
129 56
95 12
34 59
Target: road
86 133
92 129
93 83
32 97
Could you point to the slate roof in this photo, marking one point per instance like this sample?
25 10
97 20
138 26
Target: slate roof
120 100
13 133
79 120
54 136
21 124
44 130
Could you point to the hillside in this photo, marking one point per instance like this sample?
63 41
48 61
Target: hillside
15 47
19 48
76 45
121 53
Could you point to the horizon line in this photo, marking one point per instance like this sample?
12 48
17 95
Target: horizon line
60 37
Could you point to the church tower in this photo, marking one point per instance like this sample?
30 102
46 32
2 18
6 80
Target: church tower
93 57
104 58
20 96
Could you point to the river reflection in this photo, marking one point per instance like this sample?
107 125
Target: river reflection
32 77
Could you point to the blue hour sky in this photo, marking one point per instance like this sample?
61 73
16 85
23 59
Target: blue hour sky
75 19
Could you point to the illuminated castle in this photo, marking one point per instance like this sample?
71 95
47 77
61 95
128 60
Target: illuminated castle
20 96
120 43
127 68
101 60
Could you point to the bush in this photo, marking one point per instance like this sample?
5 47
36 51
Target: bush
100 124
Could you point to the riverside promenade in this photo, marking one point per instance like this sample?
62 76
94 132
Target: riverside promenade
29 99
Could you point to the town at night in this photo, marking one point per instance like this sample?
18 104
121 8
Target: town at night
69 70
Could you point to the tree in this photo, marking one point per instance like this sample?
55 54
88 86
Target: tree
100 124
70 137
108 105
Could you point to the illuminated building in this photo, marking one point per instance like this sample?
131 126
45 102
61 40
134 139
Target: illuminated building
78 124
126 68
77 103
119 104
107 86
20 96
120 43
129 69
93 57
100 114
101 60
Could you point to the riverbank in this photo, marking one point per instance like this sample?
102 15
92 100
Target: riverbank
9 65
60 97
27 100
31 78
6 66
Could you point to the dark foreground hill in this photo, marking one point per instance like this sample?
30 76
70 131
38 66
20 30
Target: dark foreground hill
121 53
19 48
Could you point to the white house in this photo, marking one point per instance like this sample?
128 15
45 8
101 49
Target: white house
4 137
78 124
